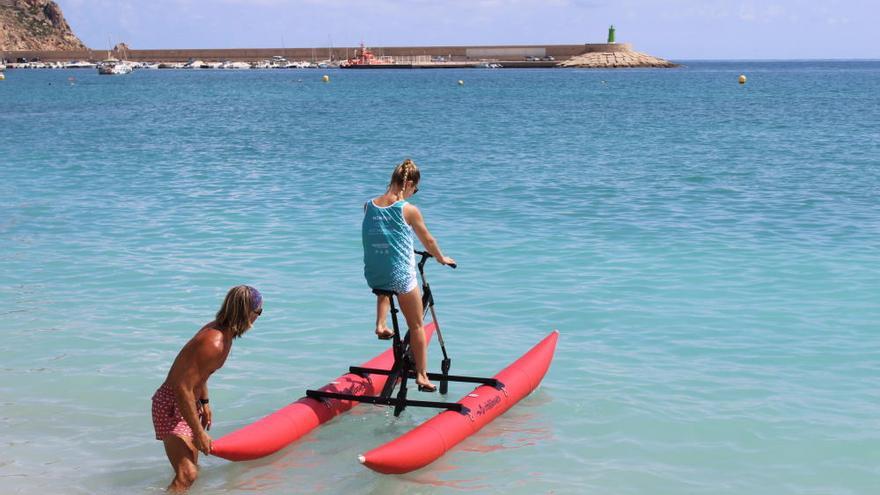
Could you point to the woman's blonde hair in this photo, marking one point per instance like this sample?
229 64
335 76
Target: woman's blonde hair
234 314
406 171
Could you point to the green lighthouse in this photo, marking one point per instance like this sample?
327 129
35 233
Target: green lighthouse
611 34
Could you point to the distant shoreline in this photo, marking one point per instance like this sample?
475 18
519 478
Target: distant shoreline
407 54
418 57
588 55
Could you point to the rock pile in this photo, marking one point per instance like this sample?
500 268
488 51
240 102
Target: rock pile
624 57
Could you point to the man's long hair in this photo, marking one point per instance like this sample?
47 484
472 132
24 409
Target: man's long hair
234 314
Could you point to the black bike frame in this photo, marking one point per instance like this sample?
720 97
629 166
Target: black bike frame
403 366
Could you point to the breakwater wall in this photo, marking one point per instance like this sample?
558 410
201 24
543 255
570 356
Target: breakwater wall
451 53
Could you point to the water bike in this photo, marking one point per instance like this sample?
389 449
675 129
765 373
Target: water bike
374 382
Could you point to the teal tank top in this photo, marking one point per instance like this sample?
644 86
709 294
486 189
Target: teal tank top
389 260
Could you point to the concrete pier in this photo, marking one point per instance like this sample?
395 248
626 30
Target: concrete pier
414 55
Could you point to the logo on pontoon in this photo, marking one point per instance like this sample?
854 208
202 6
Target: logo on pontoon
356 389
487 406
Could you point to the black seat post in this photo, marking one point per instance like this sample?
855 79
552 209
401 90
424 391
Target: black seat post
400 369
398 345
402 364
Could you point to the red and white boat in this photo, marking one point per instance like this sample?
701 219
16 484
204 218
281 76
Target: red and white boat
366 59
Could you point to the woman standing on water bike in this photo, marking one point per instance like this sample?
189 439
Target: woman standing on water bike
390 263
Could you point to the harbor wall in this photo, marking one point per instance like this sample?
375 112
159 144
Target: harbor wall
454 53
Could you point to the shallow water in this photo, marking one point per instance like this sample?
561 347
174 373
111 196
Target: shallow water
708 251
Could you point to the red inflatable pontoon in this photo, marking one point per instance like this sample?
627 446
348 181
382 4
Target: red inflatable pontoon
433 438
281 428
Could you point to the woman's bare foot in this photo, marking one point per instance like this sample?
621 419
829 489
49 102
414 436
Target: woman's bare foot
384 333
424 384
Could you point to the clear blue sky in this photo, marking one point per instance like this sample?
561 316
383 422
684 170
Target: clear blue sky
676 29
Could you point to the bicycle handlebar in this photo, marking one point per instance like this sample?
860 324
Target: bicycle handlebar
425 255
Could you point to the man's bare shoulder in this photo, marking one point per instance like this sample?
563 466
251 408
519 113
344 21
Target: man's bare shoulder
209 341
203 354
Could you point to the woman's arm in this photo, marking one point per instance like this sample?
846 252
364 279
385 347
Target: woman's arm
413 216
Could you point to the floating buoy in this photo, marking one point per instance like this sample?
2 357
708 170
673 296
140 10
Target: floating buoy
326 78
742 79
2 77
460 82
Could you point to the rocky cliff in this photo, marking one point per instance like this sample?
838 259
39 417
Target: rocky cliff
35 25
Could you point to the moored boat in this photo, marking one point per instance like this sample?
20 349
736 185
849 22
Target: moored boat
79 64
366 59
235 65
114 67
195 64
488 65
433 438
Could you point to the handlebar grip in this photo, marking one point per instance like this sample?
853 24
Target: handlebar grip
426 254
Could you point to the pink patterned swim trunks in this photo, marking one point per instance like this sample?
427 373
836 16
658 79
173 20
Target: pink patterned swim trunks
166 416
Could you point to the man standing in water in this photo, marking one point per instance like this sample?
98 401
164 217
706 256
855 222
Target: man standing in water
181 409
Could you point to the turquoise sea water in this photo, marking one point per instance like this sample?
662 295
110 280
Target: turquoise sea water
710 253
